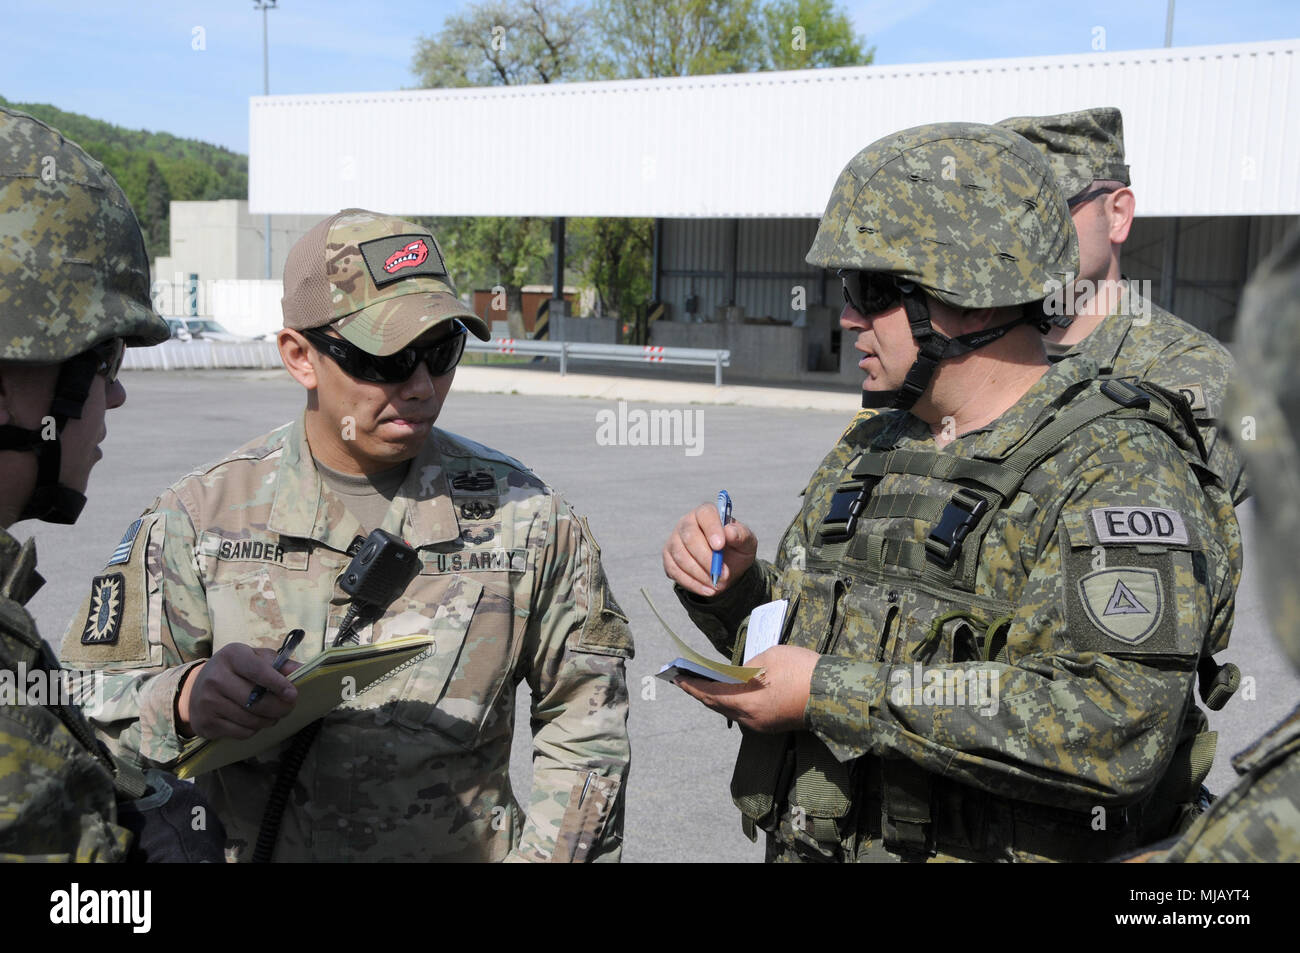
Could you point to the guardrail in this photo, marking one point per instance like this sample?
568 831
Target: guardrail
585 351
183 355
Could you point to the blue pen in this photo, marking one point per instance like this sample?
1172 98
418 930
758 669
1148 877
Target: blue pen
724 514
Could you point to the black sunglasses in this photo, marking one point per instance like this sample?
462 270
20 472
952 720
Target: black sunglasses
1088 197
108 357
869 292
439 357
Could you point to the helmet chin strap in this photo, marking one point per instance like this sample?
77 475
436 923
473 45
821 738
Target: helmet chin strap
51 501
933 348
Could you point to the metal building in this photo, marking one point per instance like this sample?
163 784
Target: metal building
736 170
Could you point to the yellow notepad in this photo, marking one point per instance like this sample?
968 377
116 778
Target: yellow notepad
323 684
691 662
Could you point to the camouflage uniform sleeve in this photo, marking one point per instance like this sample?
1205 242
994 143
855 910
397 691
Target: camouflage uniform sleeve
1085 704
721 617
149 641
576 642
1200 372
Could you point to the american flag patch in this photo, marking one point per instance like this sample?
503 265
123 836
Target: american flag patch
123 551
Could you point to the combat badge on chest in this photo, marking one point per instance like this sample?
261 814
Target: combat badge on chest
481 486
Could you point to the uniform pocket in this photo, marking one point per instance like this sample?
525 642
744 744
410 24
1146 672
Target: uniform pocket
248 608
454 690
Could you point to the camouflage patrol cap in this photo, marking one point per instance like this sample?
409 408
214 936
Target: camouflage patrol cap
1082 146
969 212
379 280
1263 418
73 268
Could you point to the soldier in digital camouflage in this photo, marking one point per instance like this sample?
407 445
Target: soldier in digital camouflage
1103 316
74 292
510 587
998 588
1259 818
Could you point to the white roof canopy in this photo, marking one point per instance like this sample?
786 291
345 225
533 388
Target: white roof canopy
1209 130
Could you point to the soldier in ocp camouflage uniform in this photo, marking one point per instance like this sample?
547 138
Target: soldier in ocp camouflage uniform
74 291
1259 818
998 589
510 588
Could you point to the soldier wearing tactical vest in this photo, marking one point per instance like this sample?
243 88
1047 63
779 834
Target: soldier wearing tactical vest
998 588
1256 820
74 291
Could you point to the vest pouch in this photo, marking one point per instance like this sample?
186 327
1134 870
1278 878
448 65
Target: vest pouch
811 615
763 766
763 763
821 800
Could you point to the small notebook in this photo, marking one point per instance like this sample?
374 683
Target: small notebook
323 684
691 662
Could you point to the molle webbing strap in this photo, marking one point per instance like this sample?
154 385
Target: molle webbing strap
903 506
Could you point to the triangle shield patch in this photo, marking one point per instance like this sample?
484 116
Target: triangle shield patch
1126 604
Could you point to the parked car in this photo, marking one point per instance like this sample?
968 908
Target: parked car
179 331
209 330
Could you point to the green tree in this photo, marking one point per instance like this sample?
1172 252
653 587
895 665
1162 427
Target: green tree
504 43
155 211
501 43
639 40
806 34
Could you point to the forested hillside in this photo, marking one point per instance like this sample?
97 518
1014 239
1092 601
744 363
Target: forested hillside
152 167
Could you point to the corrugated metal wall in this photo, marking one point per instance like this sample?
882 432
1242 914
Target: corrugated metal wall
1215 258
1210 130
768 262
1215 255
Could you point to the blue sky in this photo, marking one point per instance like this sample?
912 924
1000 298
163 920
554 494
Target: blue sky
134 63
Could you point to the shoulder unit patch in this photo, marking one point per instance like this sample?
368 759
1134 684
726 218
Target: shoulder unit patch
1126 604
104 619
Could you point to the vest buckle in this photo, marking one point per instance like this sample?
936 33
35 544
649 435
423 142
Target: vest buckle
955 523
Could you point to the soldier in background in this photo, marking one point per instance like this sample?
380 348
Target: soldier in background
74 292
511 587
998 590
1103 316
1257 819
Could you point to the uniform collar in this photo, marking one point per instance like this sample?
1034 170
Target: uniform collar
19 579
1107 339
305 507
995 439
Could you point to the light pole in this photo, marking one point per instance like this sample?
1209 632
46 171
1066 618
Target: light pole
265 5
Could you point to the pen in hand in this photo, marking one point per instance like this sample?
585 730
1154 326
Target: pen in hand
286 649
724 515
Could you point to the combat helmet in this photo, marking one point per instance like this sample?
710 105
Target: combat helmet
73 274
1263 419
968 213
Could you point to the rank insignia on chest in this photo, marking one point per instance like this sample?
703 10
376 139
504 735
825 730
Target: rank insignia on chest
1126 604
107 595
